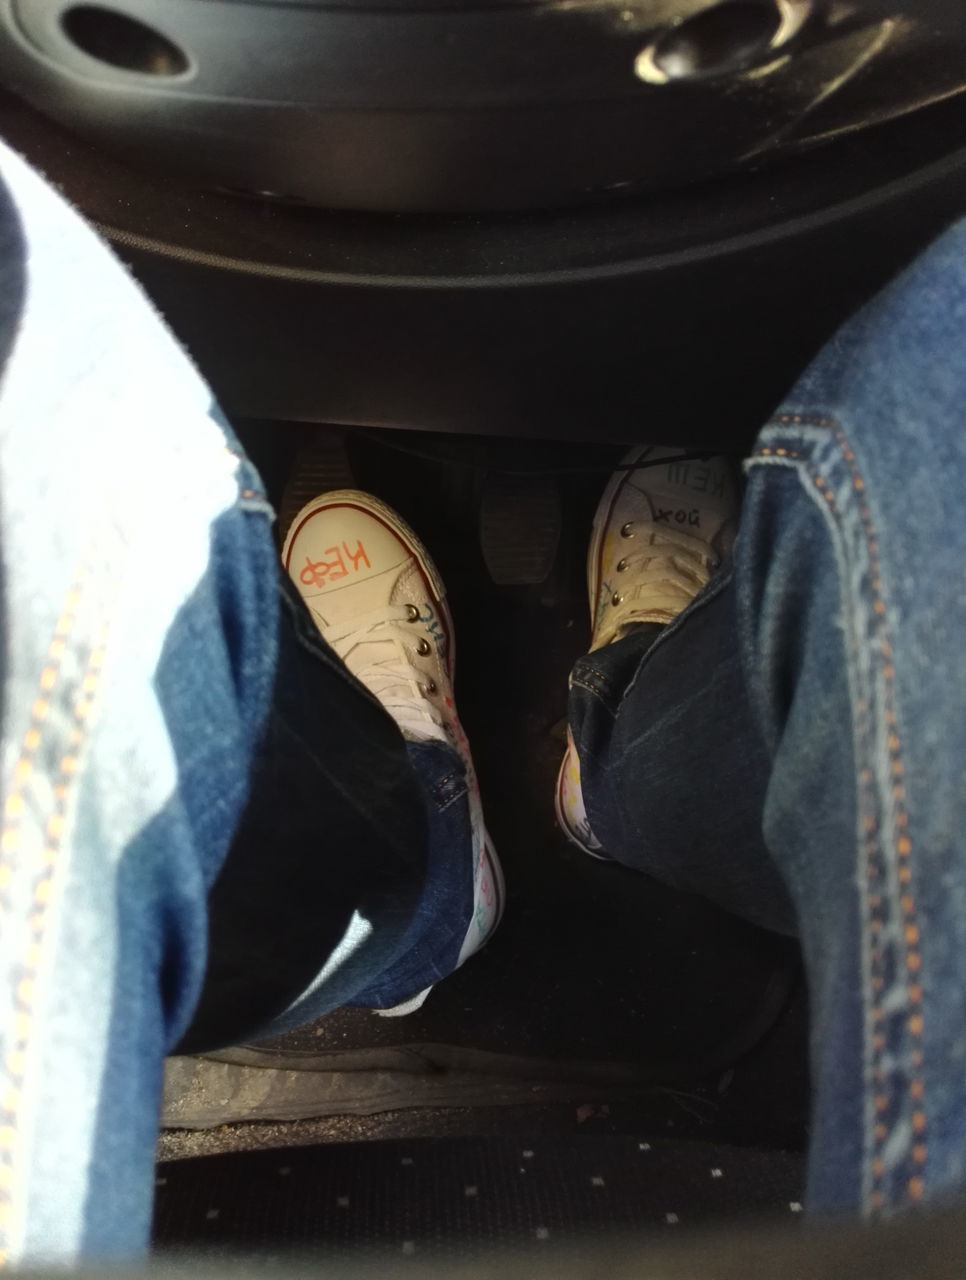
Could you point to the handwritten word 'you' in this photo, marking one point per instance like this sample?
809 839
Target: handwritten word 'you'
692 517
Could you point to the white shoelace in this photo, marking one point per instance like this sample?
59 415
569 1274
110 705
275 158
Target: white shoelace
393 679
673 567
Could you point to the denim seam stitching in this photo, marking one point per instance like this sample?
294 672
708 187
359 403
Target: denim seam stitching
256 497
868 801
596 673
594 682
898 833
442 806
801 420
443 802
43 895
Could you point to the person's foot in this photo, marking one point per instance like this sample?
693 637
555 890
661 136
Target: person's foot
662 528
378 600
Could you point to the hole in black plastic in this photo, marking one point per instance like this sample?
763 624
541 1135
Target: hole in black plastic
719 39
123 42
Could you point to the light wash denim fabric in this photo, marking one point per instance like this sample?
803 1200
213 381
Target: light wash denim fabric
163 692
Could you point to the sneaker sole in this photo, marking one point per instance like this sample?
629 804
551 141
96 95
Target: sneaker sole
499 884
562 822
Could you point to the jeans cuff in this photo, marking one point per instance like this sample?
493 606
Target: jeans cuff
431 947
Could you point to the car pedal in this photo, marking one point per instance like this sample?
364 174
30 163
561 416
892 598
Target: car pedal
520 521
320 465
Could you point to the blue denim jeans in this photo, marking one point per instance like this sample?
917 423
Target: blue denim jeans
166 699
209 829
794 744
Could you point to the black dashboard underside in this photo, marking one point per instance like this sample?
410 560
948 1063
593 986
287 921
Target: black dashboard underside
682 315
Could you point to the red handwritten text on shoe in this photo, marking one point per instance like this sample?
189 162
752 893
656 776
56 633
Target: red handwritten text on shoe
319 573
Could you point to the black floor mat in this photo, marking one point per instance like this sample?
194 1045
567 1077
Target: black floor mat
448 1197
593 963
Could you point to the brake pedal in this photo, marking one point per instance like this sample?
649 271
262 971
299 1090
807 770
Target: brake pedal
320 465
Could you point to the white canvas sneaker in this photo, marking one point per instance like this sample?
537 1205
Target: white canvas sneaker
662 528
378 600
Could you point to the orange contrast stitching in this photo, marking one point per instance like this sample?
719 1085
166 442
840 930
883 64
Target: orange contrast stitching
26 989
911 934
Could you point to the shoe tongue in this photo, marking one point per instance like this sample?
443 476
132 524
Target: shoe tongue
369 653
652 617
693 496
654 613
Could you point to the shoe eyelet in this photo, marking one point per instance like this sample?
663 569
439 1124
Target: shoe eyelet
627 530
412 613
616 598
621 566
429 689
423 648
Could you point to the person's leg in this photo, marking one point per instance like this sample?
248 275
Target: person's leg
384 827
157 671
822 675
660 793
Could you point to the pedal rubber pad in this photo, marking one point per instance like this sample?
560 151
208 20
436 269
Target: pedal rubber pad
321 464
520 522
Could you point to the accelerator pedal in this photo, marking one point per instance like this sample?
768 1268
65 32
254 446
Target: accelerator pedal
520 522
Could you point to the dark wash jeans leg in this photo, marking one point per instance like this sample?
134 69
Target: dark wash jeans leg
825 680
651 719
333 839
